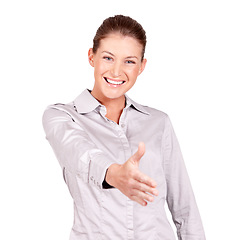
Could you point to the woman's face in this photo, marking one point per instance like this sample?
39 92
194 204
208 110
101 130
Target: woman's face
117 64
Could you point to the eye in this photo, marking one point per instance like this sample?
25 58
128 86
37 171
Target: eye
107 58
130 62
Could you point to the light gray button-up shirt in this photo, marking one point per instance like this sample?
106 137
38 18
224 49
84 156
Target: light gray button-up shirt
86 143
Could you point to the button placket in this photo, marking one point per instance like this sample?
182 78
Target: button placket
130 223
120 130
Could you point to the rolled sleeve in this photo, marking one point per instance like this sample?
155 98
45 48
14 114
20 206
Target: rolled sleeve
73 147
180 196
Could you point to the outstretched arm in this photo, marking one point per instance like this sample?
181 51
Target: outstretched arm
73 147
77 153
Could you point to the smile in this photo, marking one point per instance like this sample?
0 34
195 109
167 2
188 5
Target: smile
113 82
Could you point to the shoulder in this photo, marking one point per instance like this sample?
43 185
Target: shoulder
60 110
147 110
84 103
68 107
159 117
153 113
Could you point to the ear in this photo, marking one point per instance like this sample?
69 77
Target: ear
90 57
142 66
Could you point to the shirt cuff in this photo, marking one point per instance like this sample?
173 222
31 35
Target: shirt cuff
98 165
105 184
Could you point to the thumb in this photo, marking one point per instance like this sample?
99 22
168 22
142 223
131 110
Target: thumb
139 154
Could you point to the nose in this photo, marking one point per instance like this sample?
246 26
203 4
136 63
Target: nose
116 69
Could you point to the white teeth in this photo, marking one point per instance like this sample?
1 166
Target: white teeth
114 82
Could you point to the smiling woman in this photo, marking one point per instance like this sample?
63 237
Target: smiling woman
117 63
119 188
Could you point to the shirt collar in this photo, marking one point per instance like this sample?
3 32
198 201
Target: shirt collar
138 107
86 103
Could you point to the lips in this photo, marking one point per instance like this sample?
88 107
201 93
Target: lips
114 82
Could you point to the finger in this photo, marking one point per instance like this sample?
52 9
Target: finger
139 200
142 178
142 195
140 152
145 188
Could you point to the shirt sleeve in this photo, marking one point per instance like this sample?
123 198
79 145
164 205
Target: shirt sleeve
180 197
73 148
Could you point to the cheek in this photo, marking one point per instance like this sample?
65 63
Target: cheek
133 73
100 68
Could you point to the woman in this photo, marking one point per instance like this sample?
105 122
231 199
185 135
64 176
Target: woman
119 188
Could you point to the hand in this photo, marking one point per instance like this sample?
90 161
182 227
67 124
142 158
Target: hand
130 181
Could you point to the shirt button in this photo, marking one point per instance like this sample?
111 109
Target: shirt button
122 125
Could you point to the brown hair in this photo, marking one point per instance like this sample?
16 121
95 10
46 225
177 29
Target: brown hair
123 25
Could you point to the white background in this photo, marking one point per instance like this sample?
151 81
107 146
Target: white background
197 72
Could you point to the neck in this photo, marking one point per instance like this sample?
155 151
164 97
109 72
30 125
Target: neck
114 107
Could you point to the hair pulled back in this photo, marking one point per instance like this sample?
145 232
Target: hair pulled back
124 25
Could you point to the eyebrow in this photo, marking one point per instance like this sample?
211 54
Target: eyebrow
108 53
114 55
132 57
